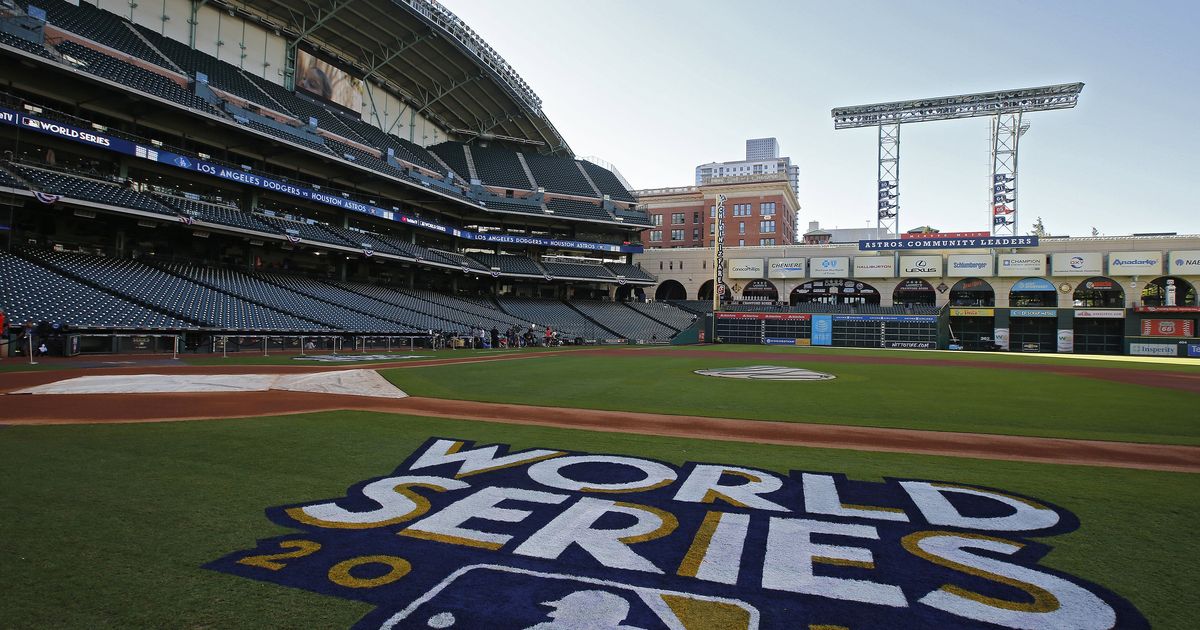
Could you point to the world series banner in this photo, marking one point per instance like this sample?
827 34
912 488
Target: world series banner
472 536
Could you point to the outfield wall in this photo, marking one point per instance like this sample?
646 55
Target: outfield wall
1147 331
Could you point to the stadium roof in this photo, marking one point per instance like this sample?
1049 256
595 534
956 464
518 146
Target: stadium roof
423 52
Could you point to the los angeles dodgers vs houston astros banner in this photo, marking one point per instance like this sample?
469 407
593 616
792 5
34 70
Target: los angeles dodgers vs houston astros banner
469 536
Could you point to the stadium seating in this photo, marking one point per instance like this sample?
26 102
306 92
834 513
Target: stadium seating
23 44
304 231
258 291
629 271
578 270
132 76
506 206
456 258
557 315
557 175
99 26
499 167
180 297
453 154
30 292
672 316
624 321
578 209
86 189
607 183
509 264
216 213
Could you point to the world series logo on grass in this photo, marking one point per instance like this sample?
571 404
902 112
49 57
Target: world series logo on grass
469 536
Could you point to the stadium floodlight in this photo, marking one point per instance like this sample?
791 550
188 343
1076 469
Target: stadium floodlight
1005 107
1018 101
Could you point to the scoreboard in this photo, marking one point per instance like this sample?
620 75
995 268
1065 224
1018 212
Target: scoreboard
854 331
764 328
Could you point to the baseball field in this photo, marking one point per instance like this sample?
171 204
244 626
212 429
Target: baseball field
607 488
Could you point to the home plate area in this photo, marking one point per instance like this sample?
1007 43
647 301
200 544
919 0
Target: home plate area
347 382
472 536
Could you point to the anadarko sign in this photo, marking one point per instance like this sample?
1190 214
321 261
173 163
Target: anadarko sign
473 536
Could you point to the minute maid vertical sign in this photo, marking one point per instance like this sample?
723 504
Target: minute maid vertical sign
481 536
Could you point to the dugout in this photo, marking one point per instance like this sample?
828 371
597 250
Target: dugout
1099 317
972 323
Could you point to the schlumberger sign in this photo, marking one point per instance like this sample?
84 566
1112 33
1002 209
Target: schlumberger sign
467 537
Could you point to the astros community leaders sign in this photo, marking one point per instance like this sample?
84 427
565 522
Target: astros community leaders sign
481 536
949 243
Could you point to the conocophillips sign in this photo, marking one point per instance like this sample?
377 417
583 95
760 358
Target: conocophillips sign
745 267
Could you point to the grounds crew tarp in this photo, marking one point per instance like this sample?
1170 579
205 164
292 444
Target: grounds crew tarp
348 382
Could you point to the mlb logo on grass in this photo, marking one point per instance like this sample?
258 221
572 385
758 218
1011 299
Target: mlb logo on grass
549 601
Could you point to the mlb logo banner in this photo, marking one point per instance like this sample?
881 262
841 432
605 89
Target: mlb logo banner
472 536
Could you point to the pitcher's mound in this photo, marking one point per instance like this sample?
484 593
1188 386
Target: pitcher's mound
768 373
348 382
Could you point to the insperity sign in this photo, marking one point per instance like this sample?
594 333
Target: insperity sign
483 536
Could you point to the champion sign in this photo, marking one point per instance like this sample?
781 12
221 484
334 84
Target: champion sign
469 536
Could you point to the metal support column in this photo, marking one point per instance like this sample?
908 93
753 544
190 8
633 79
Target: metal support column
1007 130
889 178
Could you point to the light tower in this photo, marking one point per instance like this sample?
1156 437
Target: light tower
1006 109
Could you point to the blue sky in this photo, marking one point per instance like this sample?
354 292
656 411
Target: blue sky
657 87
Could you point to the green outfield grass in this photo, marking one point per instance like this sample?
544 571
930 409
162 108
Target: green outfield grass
108 526
941 398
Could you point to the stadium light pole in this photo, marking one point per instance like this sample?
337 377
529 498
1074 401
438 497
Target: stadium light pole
1006 108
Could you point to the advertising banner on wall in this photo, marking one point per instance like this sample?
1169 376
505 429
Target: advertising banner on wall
1100 313
1082 264
745 267
328 82
785 268
1168 327
1001 337
1066 340
874 267
1153 349
1032 284
822 330
1010 265
1134 263
968 265
927 265
1033 312
972 312
1184 263
835 267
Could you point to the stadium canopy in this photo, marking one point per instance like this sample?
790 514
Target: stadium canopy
425 54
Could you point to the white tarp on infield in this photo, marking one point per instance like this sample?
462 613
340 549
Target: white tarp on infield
348 382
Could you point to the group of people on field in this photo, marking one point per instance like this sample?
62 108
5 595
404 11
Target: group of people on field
481 338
